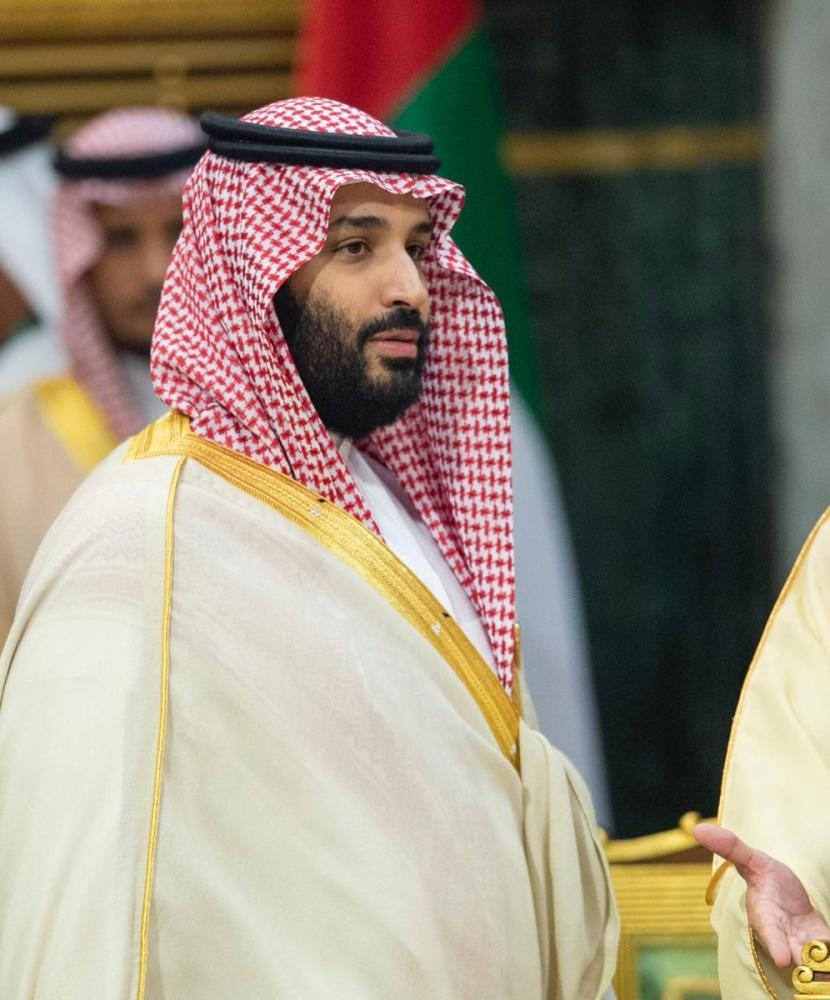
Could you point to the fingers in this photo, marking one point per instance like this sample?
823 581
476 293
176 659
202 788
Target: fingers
779 946
794 950
780 942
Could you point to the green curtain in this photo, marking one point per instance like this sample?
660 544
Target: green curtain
648 306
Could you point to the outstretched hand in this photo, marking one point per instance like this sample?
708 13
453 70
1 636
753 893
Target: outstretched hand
777 904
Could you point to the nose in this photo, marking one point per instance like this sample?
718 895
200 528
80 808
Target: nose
155 257
404 286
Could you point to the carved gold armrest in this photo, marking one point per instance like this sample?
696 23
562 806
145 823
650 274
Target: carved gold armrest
812 978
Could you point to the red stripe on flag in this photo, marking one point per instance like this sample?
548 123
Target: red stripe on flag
375 54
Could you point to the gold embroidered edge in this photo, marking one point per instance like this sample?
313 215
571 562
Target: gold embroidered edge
720 870
75 420
753 950
805 550
355 545
161 738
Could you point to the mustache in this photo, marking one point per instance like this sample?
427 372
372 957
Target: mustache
397 319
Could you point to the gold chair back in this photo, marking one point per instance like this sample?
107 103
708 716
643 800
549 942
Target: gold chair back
668 950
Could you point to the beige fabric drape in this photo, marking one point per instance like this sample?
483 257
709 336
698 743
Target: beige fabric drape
262 781
778 766
37 476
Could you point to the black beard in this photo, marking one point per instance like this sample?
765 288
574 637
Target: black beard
329 356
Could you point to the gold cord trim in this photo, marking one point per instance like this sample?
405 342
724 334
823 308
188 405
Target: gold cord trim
357 547
719 872
161 743
75 420
768 987
714 882
759 651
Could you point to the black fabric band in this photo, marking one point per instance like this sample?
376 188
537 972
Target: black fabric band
126 168
26 131
405 152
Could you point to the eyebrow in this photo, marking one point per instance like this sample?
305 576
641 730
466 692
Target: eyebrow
374 222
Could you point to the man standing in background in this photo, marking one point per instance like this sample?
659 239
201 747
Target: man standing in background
117 215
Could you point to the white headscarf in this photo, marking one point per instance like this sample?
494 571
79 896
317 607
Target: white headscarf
26 256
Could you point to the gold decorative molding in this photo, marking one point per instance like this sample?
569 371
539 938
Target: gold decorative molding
79 57
663 899
78 20
812 978
655 846
608 151
660 884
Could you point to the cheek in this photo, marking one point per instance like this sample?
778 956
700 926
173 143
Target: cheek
114 279
347 293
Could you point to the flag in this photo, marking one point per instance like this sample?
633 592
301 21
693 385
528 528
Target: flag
427 66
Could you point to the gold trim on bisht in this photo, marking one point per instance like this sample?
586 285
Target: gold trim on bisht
756 659
358 547
74 418
161 736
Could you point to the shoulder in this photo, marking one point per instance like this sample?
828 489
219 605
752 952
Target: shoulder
52 416
37 474
802 603
18 409
107 523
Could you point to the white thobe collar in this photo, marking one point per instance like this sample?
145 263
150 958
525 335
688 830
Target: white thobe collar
411 541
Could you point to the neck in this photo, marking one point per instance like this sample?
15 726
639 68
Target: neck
131 349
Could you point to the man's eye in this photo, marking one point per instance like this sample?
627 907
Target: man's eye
354 249
417 251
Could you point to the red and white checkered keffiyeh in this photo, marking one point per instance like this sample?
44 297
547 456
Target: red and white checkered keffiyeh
220 357
124 132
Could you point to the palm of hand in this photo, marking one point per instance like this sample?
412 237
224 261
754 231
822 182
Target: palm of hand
777 904
780 910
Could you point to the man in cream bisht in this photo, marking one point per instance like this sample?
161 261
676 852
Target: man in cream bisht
261 731
772 898
117 214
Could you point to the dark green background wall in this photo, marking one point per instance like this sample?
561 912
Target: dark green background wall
647 291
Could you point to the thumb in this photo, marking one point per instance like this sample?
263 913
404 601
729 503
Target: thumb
728 846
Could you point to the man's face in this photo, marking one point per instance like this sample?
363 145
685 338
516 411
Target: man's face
356 316
127 278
